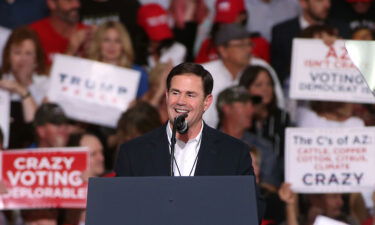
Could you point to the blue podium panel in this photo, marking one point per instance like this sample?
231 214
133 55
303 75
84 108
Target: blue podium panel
201 200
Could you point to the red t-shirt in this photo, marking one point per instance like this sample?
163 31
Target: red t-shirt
208 52
369 222
52 42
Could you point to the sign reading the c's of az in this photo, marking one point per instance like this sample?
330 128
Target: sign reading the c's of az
330 160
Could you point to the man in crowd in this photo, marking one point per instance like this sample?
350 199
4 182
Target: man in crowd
313 12
234 48
51 126
61 32
51 131
236 109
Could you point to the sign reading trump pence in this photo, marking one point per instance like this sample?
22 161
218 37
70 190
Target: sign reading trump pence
322 72
44 178
91 91
330 160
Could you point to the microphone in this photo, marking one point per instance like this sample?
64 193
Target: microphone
181 124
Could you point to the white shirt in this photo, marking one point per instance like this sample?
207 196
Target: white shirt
223 79
310 119
38 88
176 53
186 154
264 15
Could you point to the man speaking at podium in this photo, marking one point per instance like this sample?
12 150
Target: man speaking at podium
202 150
199 150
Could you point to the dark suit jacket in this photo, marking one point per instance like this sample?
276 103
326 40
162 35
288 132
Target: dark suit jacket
219 155
281 46
149 155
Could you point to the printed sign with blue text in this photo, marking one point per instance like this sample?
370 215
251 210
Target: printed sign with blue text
91 91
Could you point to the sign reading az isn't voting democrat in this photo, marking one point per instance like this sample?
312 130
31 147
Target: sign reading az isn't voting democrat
92 91
322 72
46 177
330 160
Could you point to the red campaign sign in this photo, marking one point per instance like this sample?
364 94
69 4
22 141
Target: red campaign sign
44 178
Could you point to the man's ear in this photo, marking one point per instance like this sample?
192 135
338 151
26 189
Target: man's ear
51 4
303 4
40 131
207 102
222 51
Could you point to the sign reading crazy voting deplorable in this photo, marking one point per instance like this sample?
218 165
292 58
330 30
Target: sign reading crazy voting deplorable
92 91
330 160
326 72
44 178
4 115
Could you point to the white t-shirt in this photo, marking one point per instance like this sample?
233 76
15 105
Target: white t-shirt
176 53
310 119
38 87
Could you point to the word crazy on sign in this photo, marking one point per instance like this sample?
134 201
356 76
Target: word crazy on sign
44 178
326 73
330 160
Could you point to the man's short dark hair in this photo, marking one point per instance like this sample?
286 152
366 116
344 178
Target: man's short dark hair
183 68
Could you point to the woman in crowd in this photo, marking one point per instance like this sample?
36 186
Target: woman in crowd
112 44
23 66
269 121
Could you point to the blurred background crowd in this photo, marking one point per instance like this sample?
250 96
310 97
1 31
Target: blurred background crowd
245 44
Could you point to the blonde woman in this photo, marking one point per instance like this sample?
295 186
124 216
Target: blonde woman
112 44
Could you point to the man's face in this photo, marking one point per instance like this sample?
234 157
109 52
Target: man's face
361 7
96 161
53 135
236 52
66 10
186 95
240 113
317 9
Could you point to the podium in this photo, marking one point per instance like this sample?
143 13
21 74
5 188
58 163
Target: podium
201 200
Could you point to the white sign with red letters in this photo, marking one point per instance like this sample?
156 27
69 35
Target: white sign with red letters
325 72
330 160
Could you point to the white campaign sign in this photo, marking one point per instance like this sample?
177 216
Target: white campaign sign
330 160
91 91
322 72
5 115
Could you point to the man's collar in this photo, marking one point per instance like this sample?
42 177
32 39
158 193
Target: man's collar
169 133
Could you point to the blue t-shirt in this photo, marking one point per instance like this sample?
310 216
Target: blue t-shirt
143 83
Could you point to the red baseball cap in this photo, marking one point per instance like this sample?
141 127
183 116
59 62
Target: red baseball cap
228 10
154 20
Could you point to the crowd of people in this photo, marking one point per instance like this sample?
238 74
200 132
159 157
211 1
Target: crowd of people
245 44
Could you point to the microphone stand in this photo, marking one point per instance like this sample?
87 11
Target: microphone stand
173 143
